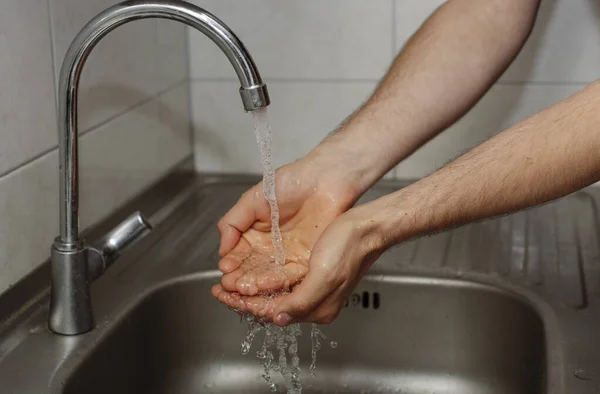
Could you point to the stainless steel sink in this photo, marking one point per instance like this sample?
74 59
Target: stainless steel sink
510 305
398 335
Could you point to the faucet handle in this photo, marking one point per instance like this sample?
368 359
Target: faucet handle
110 247
124 235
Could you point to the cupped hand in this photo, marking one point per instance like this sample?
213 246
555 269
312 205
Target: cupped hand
308 202
341 256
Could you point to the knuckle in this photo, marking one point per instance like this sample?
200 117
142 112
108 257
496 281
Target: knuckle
250 193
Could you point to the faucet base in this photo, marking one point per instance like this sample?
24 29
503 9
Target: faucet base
70 300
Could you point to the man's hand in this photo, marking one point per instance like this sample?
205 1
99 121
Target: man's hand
309 200
547 156
440 74
340 257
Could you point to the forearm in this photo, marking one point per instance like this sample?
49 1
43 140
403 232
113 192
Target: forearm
547 156
440 74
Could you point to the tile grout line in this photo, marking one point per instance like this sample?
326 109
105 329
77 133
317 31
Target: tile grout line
132 107
375 80
93 128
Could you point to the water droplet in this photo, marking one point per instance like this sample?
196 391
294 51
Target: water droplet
583 375
278 352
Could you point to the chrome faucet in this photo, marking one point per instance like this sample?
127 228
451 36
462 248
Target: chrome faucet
74 264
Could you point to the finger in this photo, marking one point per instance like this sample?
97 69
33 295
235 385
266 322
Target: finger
229 263
240 218
305 298
232 300
259 306
235 257
270 279
281 279
216 289
230 281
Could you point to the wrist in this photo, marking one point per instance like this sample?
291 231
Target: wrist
393 219
350 154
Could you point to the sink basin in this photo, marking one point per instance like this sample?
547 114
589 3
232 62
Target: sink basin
397 335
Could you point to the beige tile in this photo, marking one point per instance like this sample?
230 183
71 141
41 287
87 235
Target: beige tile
27 107
502 107
564 45
301 115
301 39
120 72
118 160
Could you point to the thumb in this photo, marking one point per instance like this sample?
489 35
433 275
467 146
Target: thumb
304 299
249 208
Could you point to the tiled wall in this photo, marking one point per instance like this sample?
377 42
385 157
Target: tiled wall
134 119
321 59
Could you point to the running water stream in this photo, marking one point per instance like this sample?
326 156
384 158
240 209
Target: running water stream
263 132
280 341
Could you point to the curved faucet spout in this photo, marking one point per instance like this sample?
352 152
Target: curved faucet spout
74 264
253 91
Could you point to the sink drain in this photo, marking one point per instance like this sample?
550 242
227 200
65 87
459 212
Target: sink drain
365 299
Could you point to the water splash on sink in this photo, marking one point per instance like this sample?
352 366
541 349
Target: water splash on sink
264 137
283 343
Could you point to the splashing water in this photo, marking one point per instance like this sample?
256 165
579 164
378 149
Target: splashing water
263 132
283 343
280 341
315 337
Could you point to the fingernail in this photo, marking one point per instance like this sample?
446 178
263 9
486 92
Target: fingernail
283 319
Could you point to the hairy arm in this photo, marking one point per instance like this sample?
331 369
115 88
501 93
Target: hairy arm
444 69
547 156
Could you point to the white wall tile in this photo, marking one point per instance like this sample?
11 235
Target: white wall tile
410 15
29 212
564 45
502 107
301 115
172 50
127 155
120 72
118 160
301 39
27 115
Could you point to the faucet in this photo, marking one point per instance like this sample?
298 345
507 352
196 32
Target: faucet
75 265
